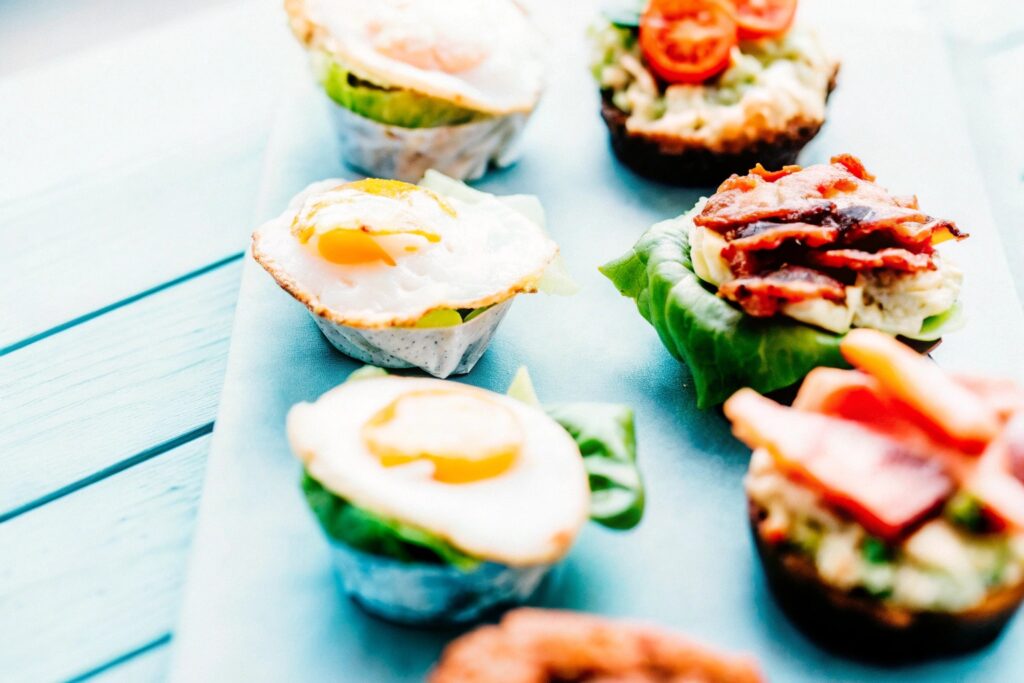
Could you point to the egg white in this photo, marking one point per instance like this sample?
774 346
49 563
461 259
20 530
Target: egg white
529 514
487 253
508 78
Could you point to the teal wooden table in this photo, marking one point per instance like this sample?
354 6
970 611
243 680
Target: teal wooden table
130 150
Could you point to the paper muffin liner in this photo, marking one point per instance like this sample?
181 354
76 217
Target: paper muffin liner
412 593
439 351
463 152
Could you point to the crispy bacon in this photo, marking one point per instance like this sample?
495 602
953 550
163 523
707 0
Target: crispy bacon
891 258
772 176
761 295
744 263
885 486
769 235
907 227
841 194
853 165
960 415
999 478
828 216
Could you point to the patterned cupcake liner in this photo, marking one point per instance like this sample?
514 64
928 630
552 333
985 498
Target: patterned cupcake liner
463 152
424 594
439 351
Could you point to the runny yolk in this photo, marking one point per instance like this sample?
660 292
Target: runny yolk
351 247
463 433
396 189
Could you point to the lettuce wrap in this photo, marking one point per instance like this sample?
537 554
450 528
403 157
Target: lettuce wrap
724 348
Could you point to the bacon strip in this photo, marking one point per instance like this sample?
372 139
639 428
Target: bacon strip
841 192
761 295
882 484
907 227
769 235
891 258
999 479
828 216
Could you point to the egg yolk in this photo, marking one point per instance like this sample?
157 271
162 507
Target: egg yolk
351 247
396 189
352 242
465 435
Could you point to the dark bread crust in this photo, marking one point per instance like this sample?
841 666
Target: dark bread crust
862 627
680 162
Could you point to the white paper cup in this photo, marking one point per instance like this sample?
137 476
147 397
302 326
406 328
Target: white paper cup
419 593
463 152
439 351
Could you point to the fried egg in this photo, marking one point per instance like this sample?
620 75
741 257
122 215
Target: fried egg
383 253
496 478
479 54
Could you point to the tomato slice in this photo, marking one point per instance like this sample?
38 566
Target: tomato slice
687 41
760 18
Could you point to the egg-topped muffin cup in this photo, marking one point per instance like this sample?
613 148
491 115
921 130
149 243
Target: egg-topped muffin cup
401 276
413 84
443 502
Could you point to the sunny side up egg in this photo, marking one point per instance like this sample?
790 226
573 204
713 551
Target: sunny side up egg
383 253
496 478
479 54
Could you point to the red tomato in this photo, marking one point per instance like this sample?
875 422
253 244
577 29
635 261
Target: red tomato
687 41
760 18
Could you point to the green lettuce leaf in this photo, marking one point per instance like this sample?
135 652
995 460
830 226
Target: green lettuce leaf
606 436
449 317
936 326
607 439
370 533
724 348
393 106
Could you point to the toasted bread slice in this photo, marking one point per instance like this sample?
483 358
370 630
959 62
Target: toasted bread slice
681 162
858 625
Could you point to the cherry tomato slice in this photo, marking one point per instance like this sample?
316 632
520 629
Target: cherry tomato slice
760 18
687 41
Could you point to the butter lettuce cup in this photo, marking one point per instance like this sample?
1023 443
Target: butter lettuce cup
887 504
443 502
694 90
414 84
758 284
402 276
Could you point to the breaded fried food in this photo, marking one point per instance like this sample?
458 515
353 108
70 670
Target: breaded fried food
538 645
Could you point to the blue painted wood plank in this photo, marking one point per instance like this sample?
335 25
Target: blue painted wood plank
214 76
130 231
115 390
98 573
134 164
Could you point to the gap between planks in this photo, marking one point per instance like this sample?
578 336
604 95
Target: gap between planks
105 573
114 391
145 663
119 304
